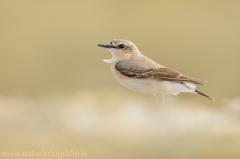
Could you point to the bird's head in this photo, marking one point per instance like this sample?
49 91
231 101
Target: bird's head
121 50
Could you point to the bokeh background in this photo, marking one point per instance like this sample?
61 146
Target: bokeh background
57 94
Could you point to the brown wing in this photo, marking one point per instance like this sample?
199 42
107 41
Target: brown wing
141 72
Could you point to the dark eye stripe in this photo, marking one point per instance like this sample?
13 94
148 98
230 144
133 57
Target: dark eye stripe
121 46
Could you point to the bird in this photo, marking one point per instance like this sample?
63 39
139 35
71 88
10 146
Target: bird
139 73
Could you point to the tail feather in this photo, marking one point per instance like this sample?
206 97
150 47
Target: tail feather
200 93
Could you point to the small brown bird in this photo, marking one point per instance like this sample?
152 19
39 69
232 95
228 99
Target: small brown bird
139 73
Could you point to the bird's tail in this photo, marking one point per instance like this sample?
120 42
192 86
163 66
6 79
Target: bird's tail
200 93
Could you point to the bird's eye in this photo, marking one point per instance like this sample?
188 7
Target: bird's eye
111 43
121 46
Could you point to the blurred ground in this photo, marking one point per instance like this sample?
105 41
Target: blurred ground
110 123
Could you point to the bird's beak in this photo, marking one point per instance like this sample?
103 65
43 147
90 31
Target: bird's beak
105 45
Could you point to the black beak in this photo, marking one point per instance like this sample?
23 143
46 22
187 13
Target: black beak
105 45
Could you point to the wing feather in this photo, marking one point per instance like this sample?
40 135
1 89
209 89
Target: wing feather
130 69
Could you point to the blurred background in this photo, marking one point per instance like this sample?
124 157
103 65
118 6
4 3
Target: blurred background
57 94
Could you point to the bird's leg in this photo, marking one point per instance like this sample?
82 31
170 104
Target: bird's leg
159 97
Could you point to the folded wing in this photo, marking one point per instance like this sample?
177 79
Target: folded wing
142 71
